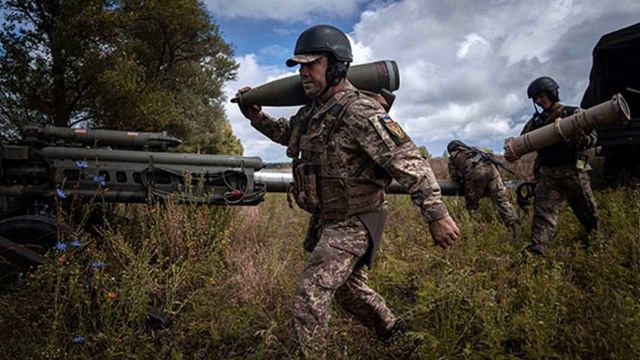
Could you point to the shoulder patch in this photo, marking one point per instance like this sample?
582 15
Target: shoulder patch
394 129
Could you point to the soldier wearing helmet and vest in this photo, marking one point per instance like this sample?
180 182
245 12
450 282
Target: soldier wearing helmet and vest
561 170
480 177
345 149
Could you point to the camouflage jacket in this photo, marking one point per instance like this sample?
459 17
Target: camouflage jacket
463 164
364 143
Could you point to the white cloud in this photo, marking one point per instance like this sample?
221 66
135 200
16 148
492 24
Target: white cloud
473 45
486 128
275 51
361 53
284 32
283 9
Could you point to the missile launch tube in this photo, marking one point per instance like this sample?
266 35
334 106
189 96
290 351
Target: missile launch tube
376 77
569 128
116 138
278 181
71 153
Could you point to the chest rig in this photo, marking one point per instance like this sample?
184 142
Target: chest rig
316 188
564 153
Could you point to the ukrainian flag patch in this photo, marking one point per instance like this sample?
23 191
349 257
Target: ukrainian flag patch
393 127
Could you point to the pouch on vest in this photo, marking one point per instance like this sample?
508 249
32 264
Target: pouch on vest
344 197
304 185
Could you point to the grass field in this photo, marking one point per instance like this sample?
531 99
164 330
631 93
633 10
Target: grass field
188 282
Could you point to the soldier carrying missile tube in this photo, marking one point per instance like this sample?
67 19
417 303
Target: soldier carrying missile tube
561 135
345 149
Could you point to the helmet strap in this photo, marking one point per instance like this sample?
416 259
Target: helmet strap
535 107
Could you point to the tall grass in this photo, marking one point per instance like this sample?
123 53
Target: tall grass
182 281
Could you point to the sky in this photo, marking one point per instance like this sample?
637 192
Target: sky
464 64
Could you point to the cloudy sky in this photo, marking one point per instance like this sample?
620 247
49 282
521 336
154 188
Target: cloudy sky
464 64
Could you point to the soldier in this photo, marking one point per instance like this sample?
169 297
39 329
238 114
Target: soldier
480 177
345 149
561 170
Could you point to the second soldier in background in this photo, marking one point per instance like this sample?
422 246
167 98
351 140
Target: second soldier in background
480 177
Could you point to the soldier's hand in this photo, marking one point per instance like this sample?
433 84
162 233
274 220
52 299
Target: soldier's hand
251 112
510 157
508 154
444 232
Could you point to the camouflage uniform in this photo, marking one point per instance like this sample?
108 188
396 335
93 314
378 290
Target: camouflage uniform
352 144
481 178
562 172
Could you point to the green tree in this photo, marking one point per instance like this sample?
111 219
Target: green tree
50 58
124 64
423 150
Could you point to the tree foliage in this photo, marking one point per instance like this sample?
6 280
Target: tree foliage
147 65
423 150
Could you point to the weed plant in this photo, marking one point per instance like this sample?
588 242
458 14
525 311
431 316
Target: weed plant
195 282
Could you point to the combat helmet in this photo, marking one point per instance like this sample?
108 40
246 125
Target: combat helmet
544 84
324 39
454 145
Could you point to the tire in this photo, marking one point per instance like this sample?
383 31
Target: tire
34 232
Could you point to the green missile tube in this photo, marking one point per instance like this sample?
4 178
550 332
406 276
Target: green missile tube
115 138
382 77
73 153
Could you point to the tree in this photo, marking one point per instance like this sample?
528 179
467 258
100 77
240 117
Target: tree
169 75
51 56
130 64
423 150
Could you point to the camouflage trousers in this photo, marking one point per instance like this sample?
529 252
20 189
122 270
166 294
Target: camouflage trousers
554 185
486 181
335 269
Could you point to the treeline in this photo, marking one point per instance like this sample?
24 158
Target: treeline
151 65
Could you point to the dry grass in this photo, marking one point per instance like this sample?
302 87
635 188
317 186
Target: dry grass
225 278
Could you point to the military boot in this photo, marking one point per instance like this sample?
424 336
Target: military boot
401 340
514 229
532 250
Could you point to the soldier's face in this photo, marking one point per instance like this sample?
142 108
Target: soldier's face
313 76
543 101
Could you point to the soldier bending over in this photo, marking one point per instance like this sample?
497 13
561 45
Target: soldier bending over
480 177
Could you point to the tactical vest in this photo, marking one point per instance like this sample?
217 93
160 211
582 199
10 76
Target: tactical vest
563 153
330 197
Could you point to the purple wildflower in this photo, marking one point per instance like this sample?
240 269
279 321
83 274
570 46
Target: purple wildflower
60 193
61 246
78 339
100 180
75 243
82 164
98 265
